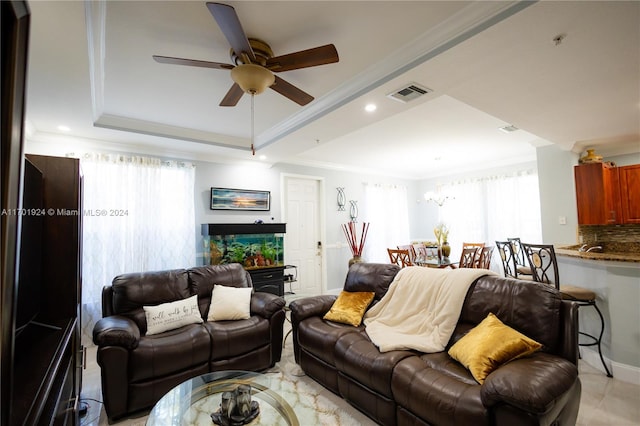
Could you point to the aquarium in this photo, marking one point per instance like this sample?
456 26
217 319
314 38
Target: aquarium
254 246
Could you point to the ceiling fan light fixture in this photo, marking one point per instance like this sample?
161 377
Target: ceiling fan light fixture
252 79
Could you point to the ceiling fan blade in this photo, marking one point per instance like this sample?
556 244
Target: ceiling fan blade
192 62
232 97
229 23
292 92
326 54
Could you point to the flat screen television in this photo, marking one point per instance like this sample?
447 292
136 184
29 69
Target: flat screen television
29 286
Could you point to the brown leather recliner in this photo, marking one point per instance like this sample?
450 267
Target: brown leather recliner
137 370
412 388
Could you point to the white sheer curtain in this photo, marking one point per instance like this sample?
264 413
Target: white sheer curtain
138 216
385 208
492 208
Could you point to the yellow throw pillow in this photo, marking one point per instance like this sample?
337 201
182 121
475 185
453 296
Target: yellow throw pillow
349 307
489 345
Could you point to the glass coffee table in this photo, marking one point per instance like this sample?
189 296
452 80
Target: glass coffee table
192 402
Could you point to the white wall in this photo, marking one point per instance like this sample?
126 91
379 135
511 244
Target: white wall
336 251
557 195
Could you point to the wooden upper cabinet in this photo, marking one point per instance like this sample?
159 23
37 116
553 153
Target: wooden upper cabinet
630 193
598 194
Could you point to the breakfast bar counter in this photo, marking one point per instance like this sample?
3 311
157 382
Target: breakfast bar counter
615 278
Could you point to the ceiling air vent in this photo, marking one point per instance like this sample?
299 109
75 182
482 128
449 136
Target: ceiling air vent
509 128
409 92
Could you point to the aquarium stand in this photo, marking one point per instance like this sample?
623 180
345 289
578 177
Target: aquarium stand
268 280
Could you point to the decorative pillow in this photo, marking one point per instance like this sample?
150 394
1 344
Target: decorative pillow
229 303
349 307
489 345
172 315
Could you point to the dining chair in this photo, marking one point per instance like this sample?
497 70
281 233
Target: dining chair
420 250
485 257
409 248
544 267
400 257
505 252
522 265
468 257
477 246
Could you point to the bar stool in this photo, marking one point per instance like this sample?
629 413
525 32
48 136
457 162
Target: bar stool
522 266
544 267
505 250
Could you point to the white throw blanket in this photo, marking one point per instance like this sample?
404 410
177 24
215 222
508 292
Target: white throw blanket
421 308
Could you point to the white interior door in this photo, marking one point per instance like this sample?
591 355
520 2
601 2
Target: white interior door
302 240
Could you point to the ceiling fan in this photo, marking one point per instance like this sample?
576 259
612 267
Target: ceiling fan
253 61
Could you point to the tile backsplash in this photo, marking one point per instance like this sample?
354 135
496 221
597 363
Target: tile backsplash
613 238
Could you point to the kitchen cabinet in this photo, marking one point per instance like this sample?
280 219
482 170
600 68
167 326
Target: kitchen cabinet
630 193
597 194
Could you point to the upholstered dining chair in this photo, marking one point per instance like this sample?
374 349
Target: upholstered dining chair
400 257
522 264
468 257
476 246
410 249
420 250
544 268
505 252
485 257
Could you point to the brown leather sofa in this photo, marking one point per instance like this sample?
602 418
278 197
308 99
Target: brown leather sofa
137 370
411 388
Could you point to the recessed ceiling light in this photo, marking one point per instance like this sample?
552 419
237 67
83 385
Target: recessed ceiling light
263 157
370 107
64 128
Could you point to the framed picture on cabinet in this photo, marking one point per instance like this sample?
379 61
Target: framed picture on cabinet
240 199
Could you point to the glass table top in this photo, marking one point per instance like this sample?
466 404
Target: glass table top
192 402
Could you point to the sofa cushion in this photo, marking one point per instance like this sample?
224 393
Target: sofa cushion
319 337
229 303
203 278
169 352
374 277
133 291
357 357
232 338
438 390
531 308
489 345
172 315
349 307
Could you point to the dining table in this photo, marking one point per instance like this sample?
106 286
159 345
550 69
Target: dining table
434 262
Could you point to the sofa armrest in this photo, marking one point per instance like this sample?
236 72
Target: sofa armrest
533 384
116 330
266 304
310 307
569 346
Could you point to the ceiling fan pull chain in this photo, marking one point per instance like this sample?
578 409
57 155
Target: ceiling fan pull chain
252 124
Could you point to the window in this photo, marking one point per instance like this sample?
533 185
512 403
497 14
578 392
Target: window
138 216
386 211
492 208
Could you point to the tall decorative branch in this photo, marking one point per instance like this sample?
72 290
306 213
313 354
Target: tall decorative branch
351 233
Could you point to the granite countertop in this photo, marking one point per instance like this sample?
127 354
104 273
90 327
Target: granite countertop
572 251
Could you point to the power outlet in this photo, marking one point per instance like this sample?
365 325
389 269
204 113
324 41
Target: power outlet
562 220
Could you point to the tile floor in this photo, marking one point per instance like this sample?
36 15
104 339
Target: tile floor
605 401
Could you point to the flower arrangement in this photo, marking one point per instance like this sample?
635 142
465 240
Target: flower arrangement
351 232
441 231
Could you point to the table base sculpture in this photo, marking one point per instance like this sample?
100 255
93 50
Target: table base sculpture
236 408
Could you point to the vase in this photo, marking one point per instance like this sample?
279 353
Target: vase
591 157
355 259
446 249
